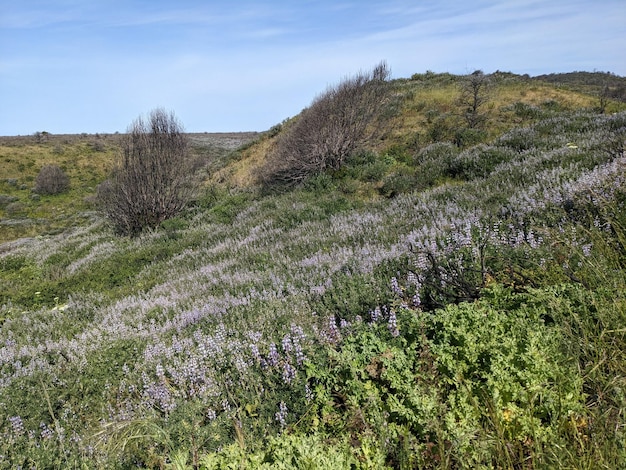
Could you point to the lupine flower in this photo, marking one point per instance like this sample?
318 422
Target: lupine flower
281 414
395 287
375 314
273 357
289 372
17 425
392 324
46 432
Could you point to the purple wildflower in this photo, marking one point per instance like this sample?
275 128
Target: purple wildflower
281 414
17 425
392 324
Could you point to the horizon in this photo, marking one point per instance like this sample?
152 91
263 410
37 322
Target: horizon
70 68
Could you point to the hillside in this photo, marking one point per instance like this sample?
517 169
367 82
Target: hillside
86 159
426 111
448 298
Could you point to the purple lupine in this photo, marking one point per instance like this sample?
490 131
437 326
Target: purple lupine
308 393
289 372
332 334
273 357
375 314
297 337
392 324
395 287
287 344
281 414
17 425
46 432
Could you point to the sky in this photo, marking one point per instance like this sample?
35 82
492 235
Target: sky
94 66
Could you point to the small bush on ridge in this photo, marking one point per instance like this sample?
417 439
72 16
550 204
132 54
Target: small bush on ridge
330 130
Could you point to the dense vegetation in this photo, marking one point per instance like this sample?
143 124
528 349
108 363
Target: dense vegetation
452 296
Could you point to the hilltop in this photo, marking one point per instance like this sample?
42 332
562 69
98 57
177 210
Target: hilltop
426 110
451 295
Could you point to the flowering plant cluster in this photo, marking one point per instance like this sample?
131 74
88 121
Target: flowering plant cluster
248 329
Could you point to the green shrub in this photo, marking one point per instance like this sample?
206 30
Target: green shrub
399 182
436 161
475 384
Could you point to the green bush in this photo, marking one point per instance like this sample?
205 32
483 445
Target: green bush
474 384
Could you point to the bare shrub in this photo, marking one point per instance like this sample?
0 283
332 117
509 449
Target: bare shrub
152 180
337 123
475 93
51 180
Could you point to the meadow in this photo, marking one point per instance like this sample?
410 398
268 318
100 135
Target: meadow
435 303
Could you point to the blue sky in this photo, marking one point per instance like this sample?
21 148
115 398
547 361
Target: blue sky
72 66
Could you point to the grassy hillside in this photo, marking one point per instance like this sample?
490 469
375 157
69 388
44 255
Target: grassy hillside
86 159
431 304
427 111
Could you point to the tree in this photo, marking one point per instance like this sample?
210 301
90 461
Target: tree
330 129
152 180
474 94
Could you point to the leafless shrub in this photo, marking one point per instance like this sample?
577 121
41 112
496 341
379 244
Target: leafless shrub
475 92
339 121
51 180
152 180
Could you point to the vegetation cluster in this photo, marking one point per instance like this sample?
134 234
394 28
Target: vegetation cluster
451 294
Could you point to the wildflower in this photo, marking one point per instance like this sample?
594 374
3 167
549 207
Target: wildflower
289 372
281 414
308 393
392 324
17 425
375 314
395 287
273 356
46 432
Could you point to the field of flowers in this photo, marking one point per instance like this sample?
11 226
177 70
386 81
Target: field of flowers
476 321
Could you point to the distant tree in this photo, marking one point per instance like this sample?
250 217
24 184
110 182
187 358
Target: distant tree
51 180
152 180
474 94
603 99
327 132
